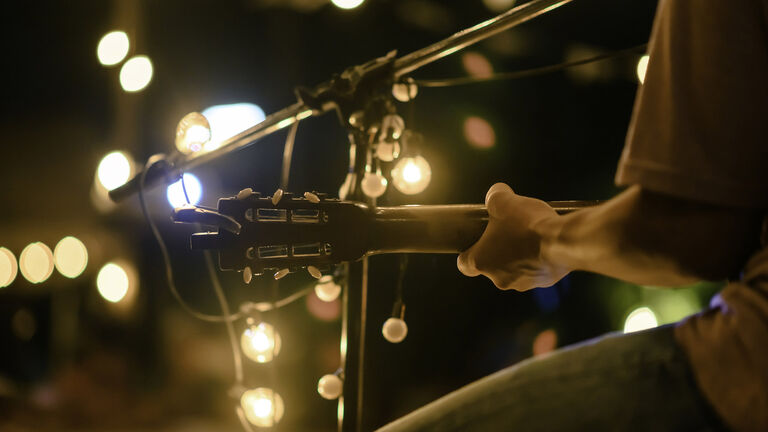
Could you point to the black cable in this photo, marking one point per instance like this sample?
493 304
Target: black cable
450 82
290 139
167 260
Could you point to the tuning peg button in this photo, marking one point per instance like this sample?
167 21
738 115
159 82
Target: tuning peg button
247 275
314 272
281 273
245 193
277 196
312 197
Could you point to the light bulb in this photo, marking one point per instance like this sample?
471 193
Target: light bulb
262 406
8 267
192 133
347 4
330 386
641 318
411 175
177 197
114 170
113 48
113 282
70 257
373 184
327 289
642 67
260 342
387 151
394 330
136 74
36 262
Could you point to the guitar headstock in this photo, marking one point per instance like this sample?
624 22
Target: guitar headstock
282 232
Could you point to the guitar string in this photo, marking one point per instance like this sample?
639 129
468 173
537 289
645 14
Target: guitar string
526 73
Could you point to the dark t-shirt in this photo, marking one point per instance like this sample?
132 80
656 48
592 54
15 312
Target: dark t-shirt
700 131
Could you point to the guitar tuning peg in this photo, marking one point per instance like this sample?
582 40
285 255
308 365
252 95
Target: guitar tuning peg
314 272
247 275
281 273
245 193
278 195
312 197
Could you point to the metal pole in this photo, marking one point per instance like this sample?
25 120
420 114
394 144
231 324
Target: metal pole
402 66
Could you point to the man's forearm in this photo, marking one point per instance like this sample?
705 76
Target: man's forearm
652 239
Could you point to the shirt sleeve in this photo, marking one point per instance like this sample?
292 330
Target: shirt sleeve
699 129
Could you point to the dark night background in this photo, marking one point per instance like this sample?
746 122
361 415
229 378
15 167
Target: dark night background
86 366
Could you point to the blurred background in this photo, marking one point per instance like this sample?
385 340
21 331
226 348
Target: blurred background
92 338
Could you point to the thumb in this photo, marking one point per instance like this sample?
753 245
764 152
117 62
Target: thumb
498 195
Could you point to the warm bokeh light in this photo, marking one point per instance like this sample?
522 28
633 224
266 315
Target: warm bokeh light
394 330
347 4
479 133
114 170
36 262
229 120
641 318
175 192
373 184
113 282
112 48
642 68
476 64
262 406
327 289
545 342
260 342
8 267
499 5
70 257
192 133
328 311
411 175
330 386
136 73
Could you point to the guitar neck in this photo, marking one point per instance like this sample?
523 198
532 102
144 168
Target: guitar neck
437 228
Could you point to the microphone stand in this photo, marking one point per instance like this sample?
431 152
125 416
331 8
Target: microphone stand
360 95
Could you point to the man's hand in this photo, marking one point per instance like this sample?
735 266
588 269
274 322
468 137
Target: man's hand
509 251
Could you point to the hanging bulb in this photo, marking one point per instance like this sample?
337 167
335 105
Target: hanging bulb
411 175
192 133
260 342
394 330
387 150
373 184
262 406
330 386
327 289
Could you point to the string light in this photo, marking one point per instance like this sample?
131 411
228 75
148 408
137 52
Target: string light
642 68
373 184
112 48
642 318
114 170
330 386
136 74
70 257
229 120
177 197
8 267
411 175
115 281
263 407
36 262
327 289
260 342
192 133
394 330
347 4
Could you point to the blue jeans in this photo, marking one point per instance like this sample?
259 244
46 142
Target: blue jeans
635 382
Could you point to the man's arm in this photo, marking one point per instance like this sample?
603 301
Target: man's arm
638 236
